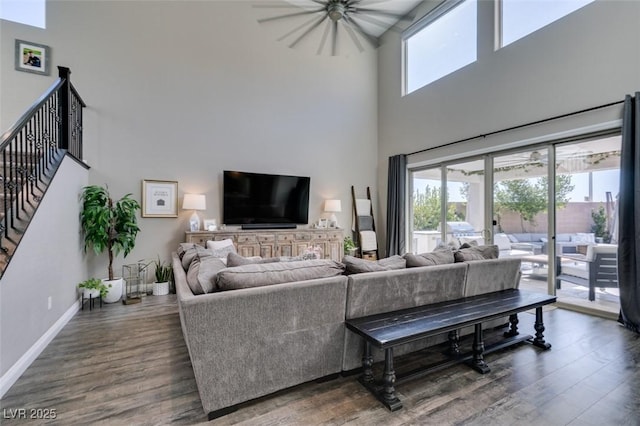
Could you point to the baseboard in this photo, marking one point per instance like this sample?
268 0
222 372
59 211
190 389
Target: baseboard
14 373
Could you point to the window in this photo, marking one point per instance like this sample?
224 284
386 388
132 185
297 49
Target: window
522 17
441 43
29 12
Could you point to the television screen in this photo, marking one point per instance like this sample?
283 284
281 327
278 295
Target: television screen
254 198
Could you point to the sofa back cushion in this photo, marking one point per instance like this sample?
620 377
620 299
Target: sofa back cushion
486 276
355 265
385 291
257 275
476 253
436 257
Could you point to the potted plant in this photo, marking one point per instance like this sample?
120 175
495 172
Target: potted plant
349 246
164 274
110 226
92 288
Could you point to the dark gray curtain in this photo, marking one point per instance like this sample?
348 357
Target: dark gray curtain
629 215
396 199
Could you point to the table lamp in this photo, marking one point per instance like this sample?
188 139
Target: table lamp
194 202
333 207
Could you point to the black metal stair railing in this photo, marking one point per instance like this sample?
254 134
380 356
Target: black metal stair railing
31 151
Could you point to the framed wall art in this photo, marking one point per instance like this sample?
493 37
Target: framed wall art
159 198
33 57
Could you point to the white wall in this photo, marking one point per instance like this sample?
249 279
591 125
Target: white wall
49 262
589 58
182 90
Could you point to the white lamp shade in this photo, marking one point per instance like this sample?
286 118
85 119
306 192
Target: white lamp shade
332 206
194 202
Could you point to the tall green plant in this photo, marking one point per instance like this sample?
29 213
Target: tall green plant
107 225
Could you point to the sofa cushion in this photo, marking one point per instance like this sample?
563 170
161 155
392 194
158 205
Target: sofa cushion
476 253
234 259
436 257
355 265
257 275
194 252
183 247
201 276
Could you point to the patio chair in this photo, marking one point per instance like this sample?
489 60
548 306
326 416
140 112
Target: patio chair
507 249
598 269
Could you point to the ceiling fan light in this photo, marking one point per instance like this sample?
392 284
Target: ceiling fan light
336 11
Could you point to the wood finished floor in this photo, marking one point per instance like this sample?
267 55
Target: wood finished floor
128 365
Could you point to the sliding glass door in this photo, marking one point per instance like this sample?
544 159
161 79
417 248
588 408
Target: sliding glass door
553 206
587 185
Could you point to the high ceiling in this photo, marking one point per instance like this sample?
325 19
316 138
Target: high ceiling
335 26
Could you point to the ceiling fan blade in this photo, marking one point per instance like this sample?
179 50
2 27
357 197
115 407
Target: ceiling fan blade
311 28
350 31
298 28
289 15
334 41
324 37
371 39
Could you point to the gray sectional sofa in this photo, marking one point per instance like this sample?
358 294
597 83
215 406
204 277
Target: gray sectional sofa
251 342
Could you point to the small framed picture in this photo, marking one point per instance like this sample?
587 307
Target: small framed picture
322 223
210 225
33 57
159 198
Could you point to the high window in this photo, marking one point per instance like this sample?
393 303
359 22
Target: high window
29 12
519 18
441 43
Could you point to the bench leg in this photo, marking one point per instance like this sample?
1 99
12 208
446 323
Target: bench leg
539 327
478 363
513 326
367 364
389 397
454 343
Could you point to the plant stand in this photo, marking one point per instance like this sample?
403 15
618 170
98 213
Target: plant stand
91 300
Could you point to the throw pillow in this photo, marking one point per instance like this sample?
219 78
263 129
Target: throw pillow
221 248
436 257
257 275
355 265
201 276
191 253
183 247
234 259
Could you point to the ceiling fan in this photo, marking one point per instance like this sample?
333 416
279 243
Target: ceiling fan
359 19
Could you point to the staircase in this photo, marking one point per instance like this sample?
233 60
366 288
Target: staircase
31 152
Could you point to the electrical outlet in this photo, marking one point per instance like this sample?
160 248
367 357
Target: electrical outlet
49 303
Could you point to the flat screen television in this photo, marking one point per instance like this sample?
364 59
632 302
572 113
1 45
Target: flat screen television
257 200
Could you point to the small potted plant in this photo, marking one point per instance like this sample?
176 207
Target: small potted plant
164 274
109 226
349 246
93 288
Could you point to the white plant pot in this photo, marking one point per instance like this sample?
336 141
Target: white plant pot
90 293
114 293
160 289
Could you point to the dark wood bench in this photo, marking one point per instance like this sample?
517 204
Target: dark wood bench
388 330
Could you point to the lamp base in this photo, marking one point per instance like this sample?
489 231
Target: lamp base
194 222
333 221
